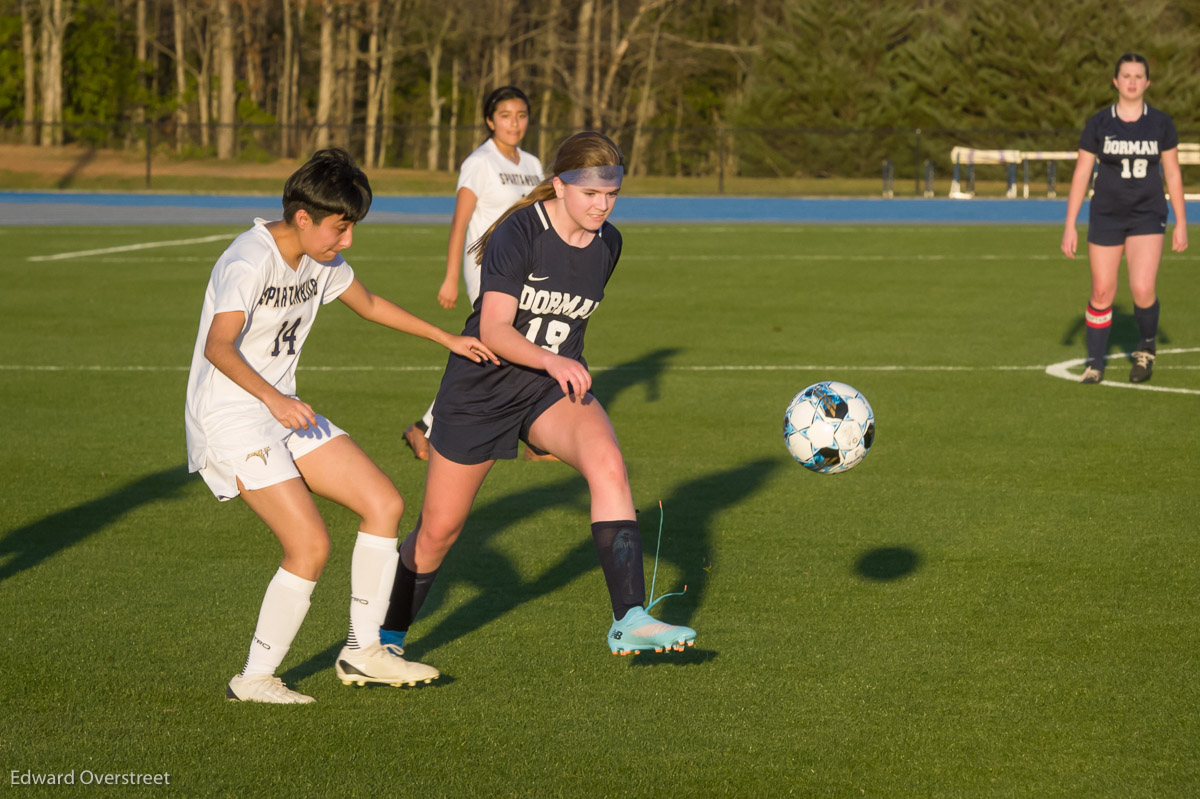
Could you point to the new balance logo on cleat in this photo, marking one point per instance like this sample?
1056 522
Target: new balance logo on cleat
638 632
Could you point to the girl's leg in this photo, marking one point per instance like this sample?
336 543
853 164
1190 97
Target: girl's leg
450 490
1105 263
416 435
340 471
289 511
1143 254
581 434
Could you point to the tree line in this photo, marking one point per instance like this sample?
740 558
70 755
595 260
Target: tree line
753 87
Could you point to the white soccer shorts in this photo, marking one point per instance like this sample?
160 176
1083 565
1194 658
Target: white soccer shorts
267 464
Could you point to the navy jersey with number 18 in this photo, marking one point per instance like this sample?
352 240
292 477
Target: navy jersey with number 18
557 287
1128 154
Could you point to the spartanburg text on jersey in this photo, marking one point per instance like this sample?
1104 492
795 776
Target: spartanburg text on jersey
497 184
558 287
1129 155
280 304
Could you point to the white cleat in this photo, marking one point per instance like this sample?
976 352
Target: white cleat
383 663
263 688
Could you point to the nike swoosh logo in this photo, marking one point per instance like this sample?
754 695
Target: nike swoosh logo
544 277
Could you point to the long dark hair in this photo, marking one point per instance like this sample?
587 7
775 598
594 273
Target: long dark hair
580 151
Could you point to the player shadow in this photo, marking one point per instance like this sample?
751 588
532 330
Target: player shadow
885 564
1124 336
690 512
647 370
687 544
26 547
476 562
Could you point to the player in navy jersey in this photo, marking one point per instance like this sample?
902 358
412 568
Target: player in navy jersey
1131 142
545 266
491 179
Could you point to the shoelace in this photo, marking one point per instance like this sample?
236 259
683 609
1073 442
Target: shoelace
1143 358
654 578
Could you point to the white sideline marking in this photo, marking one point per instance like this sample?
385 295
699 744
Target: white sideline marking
81 368
148 245
1061 370
438 368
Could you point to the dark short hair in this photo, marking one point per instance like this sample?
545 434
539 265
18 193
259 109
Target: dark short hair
1132 58
329 183
500 95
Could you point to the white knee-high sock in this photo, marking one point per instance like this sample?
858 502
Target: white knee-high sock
283 609
372 571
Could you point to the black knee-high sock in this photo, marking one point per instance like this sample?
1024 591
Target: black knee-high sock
619 547
408 595
409 590
1147 322
1099 324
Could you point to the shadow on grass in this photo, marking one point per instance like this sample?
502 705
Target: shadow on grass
478 562
646 371
475 561
887 563
30 545
692 510
687 545
1124 335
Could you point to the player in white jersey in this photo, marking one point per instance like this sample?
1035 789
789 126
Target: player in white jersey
1134 147
492 178
250 435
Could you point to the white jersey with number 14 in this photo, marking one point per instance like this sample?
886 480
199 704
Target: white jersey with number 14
280 304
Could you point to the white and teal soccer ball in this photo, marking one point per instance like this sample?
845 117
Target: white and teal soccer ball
829 427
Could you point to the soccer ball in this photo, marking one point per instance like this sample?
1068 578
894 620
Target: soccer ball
829 427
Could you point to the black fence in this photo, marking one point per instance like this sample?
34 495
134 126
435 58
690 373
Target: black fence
900 157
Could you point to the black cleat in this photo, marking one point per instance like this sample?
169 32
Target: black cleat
1143 366
1091 375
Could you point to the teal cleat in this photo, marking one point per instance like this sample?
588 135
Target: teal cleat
640 631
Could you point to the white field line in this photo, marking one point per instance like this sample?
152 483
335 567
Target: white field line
146 245
694 258
670 258
1060 370
728 368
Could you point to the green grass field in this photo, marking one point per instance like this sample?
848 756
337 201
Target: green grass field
1003 600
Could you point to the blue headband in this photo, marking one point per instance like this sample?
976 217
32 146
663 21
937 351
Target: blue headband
594 176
